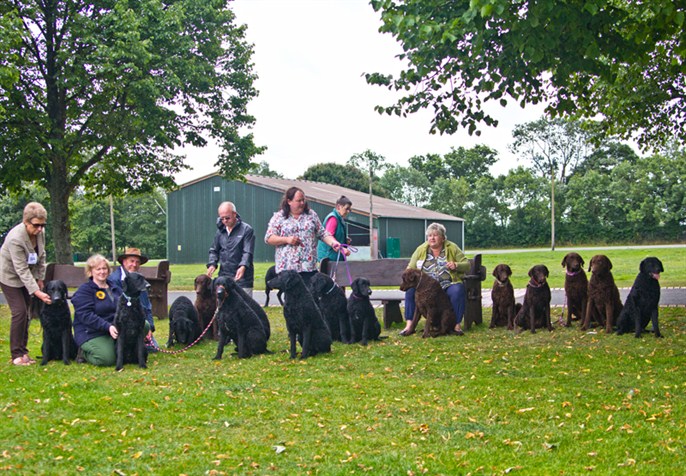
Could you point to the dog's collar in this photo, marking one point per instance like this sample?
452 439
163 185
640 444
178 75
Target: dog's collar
128 299
534 284
356 297
574 273
501 283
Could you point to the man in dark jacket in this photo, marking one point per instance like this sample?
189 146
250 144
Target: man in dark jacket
233 248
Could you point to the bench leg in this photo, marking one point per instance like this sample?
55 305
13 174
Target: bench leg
391 313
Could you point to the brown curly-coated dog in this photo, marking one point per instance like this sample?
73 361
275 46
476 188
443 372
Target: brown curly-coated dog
576 287
431 302
504 307
604 303
206 305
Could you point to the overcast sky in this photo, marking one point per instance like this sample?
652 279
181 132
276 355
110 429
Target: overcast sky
314 104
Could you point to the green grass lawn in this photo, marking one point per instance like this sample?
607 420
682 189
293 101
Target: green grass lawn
625 267
492 402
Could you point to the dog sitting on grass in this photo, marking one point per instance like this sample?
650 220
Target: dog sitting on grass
55 319
604 303
184 325
304 320
365 325
129 320
334 306
576 287
237 321
430 301
205 304
641 306
535 311
502 296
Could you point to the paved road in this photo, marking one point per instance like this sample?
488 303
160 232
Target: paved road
668 296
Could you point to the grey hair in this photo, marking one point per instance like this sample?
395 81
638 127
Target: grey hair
228 204
436 229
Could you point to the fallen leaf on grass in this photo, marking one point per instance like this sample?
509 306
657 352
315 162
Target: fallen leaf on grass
524 410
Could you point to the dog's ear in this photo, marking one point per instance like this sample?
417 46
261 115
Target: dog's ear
581 260
531 272
609 263
643 266
508 270
495 271
564 260
547 273
593 260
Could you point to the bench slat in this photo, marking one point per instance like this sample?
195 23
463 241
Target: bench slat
158 276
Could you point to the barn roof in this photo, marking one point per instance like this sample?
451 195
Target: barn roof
327 194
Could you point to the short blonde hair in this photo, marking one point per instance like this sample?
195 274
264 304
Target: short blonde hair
436 229
93 262
34 210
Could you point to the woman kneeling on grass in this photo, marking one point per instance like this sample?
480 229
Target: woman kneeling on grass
95 304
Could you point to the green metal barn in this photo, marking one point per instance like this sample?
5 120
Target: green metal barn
192 216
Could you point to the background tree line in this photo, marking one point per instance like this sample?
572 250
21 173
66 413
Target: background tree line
604 191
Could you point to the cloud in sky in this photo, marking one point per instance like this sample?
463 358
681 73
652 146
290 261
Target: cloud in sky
314 104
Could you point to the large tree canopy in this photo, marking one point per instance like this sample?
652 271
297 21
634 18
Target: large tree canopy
620 58
108 89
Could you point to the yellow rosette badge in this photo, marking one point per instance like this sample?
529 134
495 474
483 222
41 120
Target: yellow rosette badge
100 295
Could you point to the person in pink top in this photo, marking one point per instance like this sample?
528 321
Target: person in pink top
335 224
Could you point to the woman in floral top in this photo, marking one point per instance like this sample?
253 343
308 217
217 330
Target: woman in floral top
294 231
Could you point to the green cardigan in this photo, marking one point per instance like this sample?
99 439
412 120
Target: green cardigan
452 253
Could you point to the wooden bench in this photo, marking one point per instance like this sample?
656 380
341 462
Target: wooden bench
388 272
158 276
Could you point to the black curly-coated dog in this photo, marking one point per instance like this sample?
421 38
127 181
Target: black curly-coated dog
55 319
641 306
334 306
365 325
130 323
271 274
238 321
304 320
535 311
184 323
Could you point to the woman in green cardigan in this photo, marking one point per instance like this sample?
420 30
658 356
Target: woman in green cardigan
444 261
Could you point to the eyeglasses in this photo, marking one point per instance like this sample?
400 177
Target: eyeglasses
38 225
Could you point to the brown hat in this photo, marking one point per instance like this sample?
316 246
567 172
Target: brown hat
132 252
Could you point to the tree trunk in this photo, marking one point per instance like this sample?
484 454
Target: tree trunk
59 192
552 210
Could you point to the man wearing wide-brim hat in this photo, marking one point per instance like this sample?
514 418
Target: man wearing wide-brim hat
131 261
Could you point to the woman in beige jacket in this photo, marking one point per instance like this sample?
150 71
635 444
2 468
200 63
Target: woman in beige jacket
22 270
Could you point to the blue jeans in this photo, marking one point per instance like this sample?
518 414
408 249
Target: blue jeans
456 294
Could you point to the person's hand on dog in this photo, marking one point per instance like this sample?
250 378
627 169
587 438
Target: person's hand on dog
114 332
211 270
43 297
